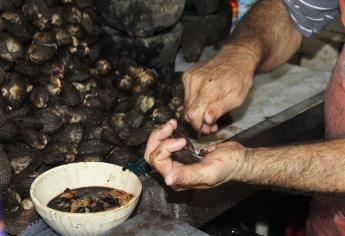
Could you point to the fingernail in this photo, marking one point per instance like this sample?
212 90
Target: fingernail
180 140
159 156
186 117
208 118
340 215
214 128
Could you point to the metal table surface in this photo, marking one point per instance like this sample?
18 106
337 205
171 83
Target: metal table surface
283 122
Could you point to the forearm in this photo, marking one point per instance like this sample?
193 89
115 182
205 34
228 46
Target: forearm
314 167
267 34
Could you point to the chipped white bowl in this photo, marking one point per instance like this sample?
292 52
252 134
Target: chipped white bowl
84 174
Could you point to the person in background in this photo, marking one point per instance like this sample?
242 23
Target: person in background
264 40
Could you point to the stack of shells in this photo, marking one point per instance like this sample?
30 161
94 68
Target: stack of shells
205 22
63 100
147 31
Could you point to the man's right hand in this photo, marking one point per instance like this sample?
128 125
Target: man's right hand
218 86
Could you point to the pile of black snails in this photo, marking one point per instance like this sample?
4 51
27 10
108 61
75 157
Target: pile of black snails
63 101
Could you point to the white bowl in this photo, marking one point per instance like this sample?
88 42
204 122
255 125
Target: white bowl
84 174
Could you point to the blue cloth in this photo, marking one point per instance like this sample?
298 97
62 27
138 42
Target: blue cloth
39 229
244 6
311 16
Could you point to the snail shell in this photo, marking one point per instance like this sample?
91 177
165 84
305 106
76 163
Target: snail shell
39 97
10 49
118 121
145 103
5 169
184 156
70 94
72 14
14 91
59 153
108 135
38 12
162 114
11 16
56 68
134 136
92 100
52 121
121 156
107 98
134 119
8 131
21 31
44 38
22 182
26 68
86 116
18 112
33 138
93 147
62 37
56 16
18 221
38 53
69 134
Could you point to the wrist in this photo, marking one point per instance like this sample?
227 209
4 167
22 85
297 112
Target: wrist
249 55
241 166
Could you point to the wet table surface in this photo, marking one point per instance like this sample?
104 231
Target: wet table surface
154 224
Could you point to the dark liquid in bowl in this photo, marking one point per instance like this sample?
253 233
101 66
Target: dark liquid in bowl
89 199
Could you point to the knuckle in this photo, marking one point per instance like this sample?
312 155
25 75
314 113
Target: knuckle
154 157
151 158
154 135
205 88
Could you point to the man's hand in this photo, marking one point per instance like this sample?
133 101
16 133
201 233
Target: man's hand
218 86
223 162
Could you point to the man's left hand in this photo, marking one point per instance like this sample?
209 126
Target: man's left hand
221 164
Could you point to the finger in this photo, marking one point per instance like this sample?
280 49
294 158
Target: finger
197 110
158 135
193 94
219 107
195 175
339 219
206 129
195 78
195 85
160 157
186 85
210 148
214 128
